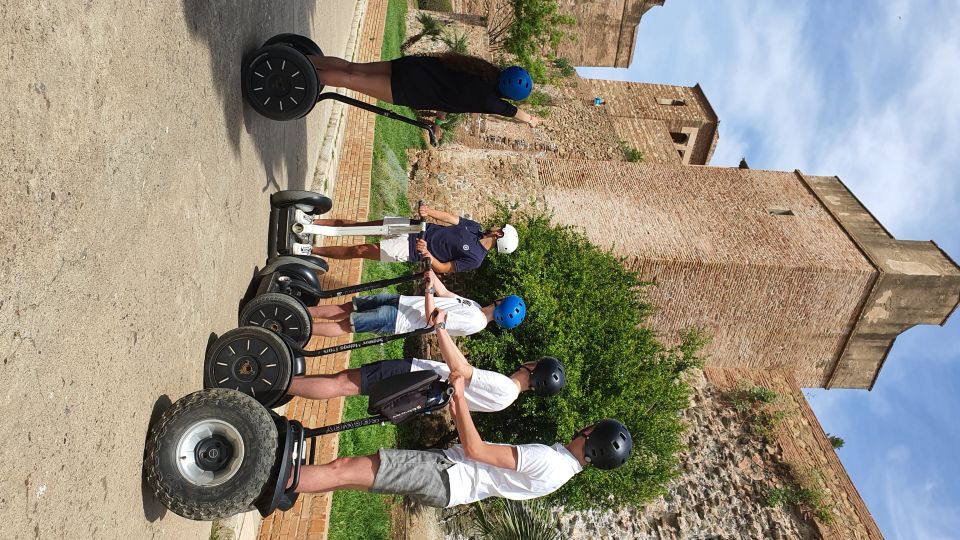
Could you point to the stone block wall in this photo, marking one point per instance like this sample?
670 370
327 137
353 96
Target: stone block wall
771 290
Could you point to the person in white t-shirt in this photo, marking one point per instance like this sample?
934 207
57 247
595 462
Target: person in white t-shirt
473 470
395 314
485 391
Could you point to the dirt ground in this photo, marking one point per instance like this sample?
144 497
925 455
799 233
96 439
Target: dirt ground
134 189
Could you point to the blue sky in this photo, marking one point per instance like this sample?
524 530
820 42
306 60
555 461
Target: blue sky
868 91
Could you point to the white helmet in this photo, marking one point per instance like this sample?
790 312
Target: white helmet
509 241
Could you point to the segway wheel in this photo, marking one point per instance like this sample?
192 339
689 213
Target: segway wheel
279 313
211 454
308 201
298 42
279 82
251 360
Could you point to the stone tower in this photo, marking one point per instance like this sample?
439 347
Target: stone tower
783 270
605 30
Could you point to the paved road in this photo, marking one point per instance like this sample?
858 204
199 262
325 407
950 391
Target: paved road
134 192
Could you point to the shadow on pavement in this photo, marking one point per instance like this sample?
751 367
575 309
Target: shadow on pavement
152 508
230 30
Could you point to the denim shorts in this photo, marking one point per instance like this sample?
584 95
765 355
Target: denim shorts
375 313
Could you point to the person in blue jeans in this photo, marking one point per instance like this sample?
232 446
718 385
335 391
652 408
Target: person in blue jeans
458 246
388 313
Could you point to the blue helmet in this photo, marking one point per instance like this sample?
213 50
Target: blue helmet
515 83
509 312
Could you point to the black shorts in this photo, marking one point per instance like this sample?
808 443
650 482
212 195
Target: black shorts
371 374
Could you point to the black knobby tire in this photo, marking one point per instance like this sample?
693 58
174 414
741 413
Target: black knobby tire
280 313
308 201
279 82
251 360
301 43
245 477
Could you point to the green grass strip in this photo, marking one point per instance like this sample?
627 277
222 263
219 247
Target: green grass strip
358 515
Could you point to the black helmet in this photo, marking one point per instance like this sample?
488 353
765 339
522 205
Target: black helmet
547 378
608 445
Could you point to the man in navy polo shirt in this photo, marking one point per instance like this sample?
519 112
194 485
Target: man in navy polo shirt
458 246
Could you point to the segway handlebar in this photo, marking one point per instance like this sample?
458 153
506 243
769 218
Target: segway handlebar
366 342
381 111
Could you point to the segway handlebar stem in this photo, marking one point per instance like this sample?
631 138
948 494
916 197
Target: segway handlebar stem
381 111
360 287
365 342
387 229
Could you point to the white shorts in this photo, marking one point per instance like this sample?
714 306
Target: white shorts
395 248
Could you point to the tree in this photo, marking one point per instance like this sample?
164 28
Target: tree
529 30
587 309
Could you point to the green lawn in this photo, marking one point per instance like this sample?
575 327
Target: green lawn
359 515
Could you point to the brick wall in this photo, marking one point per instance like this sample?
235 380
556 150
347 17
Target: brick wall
803 444
771 290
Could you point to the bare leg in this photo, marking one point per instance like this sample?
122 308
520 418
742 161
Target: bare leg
342 473
362 251
332 329
372 79
332 312
345 383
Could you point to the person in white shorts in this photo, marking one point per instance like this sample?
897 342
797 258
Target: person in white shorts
395 314
485 391
473 470
458 246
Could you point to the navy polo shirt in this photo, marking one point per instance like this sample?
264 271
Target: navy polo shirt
459 243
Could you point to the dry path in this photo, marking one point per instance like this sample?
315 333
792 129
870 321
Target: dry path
134 192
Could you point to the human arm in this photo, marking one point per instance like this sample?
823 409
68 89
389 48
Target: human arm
474 447
448 349
524 116
435 265
428 289
439 215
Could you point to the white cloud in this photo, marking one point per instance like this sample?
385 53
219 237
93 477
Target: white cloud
917 507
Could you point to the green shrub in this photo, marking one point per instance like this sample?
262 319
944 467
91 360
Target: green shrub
836 442
803 491
435 5
585 308
630 153
564 67
503 519
430 27
456 41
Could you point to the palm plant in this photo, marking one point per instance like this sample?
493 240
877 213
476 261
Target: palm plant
503 519
429 27
457 41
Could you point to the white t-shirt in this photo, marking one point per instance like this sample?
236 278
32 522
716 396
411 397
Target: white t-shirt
463 315
541 470
488 391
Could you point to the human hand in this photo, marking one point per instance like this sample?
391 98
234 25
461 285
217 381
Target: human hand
436 317
424 211
422 249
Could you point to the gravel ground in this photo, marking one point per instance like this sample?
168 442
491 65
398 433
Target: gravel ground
134 191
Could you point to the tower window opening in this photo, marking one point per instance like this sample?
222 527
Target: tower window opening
780 212
671 101
680 138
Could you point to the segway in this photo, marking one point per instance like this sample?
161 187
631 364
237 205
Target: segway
218 452
289 284
262 363
279 81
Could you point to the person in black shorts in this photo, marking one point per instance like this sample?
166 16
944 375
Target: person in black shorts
450 82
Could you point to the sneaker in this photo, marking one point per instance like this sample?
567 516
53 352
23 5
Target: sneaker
302 217
302 249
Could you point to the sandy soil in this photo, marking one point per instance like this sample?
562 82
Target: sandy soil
134 191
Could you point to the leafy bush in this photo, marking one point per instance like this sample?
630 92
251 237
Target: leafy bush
585 308
528 30
804 492
456 41
756 404
835 442
435 5
630 153
503 519
430 27
564 67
